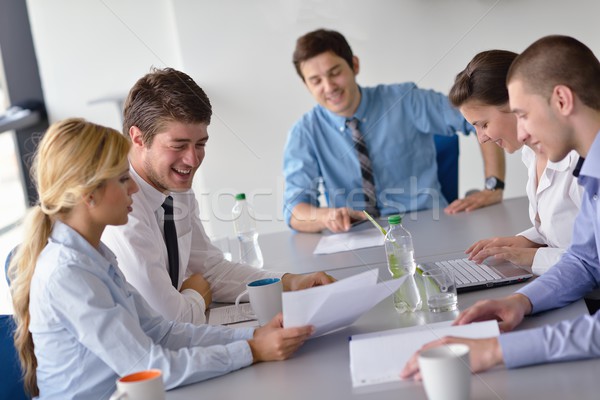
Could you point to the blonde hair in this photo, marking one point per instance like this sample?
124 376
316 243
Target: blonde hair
74 158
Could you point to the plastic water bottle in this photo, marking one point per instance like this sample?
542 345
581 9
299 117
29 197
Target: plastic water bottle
245 229
400 255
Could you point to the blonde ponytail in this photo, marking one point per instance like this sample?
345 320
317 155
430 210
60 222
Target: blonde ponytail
37 227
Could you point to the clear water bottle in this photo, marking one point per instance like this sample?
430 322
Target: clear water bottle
244 225
400 255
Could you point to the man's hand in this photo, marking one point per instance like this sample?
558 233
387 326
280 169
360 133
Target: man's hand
341 219
305 281
516 249
484 354
509 312
308 218
199 284
474 201
273 342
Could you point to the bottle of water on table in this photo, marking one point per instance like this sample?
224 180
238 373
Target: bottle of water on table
400 257
245 229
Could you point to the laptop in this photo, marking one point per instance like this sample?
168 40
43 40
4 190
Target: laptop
471 276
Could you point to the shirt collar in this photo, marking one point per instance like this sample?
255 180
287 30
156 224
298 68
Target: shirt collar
340 121
591 164
153 196
65 235
529 156
563 164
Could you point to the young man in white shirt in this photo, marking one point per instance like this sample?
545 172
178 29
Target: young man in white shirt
166 116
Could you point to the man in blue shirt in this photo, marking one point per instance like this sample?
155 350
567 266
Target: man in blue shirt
554 89
397 123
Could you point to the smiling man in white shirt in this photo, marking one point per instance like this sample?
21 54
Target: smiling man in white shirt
166 116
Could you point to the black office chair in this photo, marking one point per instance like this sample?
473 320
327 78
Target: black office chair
10 368
447 160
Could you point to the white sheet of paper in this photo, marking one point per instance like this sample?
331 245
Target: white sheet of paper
349 241
337 305
380 357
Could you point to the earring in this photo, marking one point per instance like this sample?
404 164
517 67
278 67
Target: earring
92 203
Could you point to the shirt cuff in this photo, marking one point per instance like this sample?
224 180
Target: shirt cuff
241 355
533 235
545 258
243 333
539 296
523 348
198 315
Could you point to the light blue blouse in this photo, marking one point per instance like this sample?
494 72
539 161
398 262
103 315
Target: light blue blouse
89 327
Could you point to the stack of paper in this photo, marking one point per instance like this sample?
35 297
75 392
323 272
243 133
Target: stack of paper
337 305
380 357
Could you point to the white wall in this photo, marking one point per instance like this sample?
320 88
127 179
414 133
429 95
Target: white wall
240 53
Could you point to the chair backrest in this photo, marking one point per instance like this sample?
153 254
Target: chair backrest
447 160
10 368
7 263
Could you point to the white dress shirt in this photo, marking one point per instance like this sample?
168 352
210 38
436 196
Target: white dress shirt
89 326
142 254
553 206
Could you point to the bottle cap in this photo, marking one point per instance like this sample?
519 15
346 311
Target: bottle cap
395 219
240 196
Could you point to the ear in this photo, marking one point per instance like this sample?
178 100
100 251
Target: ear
563 98
89 200
135 134
355 65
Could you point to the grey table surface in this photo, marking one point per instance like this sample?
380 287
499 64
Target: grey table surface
321 368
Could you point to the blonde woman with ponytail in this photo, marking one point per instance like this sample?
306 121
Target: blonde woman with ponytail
80 325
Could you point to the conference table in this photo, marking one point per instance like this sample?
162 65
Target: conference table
320 369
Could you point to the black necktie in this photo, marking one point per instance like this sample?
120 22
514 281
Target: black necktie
365 168
171 241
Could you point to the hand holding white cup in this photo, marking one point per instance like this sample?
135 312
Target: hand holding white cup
446 372
265 298
143 385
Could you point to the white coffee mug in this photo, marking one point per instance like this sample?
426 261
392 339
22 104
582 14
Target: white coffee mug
143 385
265 298
446 372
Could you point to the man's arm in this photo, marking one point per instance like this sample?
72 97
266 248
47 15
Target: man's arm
494 164
308 218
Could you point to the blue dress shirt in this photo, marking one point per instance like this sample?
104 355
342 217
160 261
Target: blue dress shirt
576 274
398 123
89 327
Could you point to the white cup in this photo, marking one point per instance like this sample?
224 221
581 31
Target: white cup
265 298
446 372
143 385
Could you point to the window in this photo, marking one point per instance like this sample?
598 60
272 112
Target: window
12 198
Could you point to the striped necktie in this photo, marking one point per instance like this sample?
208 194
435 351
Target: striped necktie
171 241
365 168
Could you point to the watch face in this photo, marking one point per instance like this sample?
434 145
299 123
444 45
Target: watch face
490 183
493 183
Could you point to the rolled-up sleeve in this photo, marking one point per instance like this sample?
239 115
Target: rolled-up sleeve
301 172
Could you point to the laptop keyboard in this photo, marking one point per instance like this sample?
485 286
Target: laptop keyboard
467 272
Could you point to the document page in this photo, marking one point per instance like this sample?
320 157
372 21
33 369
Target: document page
380 357
231 314
349 241
337 305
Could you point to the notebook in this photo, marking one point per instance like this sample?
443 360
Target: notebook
471 276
